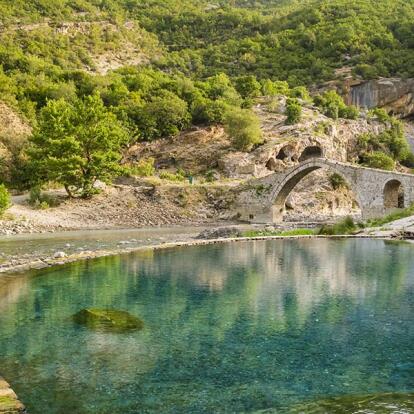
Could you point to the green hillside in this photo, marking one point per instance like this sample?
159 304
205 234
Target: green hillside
160 66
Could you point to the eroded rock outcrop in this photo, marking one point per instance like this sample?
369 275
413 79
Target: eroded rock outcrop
393 94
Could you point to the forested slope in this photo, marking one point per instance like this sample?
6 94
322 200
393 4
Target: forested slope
160 66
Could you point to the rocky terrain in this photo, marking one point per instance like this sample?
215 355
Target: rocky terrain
208 150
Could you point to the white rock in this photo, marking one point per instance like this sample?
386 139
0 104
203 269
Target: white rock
59 255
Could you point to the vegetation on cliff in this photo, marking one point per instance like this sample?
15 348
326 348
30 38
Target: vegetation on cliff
161 66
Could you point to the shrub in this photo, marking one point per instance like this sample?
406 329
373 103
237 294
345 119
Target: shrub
333 106
366 71
40 200
392 142
408 160
381 114
204 110
144 168
243 127
345 226
248 86
349 112
270 233
397 215
293 111
300 92
165 175
337 181
165 115
270 88
5 199
379 160
211 176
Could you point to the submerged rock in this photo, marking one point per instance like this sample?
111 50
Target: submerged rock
384 403
105 320
9 404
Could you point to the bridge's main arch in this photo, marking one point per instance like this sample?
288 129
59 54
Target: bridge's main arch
282 190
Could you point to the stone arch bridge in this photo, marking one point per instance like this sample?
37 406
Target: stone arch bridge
377 192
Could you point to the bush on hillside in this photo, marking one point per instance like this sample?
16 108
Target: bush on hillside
243 127
248 86
392 142
337 181
144 168
333 106
5 199
379 160
300 92
380 114
293 111
275 88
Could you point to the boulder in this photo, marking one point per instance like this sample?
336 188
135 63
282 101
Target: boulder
219 233
59 255
108 320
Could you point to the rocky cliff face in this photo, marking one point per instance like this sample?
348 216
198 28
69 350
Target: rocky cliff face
395 95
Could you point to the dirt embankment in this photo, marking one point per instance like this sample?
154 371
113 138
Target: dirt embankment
138 204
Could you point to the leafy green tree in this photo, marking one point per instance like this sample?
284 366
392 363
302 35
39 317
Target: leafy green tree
293 111
274 88
243 127
221 87
164 115
205 111
77 144
300 92
248 86
5 199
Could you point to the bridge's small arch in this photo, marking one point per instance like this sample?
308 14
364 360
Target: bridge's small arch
313 151
393 194
281 155
282 191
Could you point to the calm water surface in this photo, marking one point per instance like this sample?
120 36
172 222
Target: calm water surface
238 327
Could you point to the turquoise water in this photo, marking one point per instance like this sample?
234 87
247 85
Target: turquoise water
238 327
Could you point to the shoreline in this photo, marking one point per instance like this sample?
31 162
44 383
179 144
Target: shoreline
50 262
